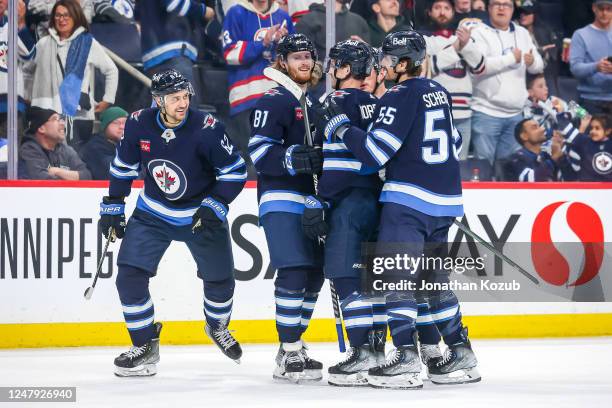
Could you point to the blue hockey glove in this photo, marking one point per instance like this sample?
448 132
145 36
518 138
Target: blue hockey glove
313 219
329 120
211 214
302 159
112 215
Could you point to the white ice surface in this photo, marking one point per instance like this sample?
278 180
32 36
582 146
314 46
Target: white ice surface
520 373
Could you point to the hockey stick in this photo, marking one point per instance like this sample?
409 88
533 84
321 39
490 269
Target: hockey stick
89 290
293 88
496 252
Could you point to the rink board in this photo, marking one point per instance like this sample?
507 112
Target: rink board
49 247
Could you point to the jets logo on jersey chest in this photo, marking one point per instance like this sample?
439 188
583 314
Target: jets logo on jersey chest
169 177
602 163
168 135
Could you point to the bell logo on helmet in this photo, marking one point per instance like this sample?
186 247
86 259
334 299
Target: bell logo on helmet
399 41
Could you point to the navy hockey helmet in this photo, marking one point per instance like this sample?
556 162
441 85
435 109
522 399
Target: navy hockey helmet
354 53
295 43
377 55
405 44
169 82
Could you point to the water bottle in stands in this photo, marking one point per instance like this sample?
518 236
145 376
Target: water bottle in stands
576 110
475 174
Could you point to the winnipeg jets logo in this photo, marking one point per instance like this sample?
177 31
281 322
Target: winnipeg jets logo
602 163
227 145
135 115
169 177
168 135
272 92
209 122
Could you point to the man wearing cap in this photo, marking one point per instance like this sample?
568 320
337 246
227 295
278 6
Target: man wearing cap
100 150
44 154
591 60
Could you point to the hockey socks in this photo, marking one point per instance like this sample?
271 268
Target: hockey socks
138 311
218 301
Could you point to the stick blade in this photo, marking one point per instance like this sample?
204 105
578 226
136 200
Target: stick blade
88 293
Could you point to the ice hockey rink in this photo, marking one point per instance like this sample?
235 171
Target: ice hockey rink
516 373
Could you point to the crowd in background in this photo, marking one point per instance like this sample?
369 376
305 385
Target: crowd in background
531 81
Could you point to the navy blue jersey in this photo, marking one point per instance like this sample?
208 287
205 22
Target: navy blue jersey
341 170
182 165
413 136
590 160
525 165
277 122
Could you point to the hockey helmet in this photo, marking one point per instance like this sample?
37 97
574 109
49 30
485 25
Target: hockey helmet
169 82
295 43
355 54
405 44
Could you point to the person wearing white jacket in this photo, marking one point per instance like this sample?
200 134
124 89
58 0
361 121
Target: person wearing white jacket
499 91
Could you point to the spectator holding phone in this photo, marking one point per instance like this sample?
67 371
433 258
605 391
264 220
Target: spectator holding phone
591 60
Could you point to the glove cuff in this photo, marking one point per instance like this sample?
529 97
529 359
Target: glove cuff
112 209
334 123
288 162
220 209
316 202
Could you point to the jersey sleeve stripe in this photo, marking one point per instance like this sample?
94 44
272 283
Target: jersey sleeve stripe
376 153
131 174
257 139
387 138
231 167
261 151
119 163
346 165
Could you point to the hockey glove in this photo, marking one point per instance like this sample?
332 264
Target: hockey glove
302 159
313 219
329 120
112 215
211 214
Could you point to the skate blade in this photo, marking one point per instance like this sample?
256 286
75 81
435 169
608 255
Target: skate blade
410 381
359 379
466 376
146 370
303 377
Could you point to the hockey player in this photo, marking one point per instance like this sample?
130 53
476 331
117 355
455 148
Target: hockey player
375 82
285 166
414 138
346 211
192 173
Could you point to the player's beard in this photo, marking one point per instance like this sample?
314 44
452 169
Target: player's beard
299 76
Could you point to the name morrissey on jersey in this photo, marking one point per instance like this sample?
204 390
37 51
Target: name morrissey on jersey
433 99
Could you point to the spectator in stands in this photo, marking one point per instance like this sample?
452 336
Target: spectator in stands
387 19
464 9
534 161
591 60
100 150
63 68
39 12
348 26
166 35
545 39
540 106
251 31
452 56
299 8
590 154
44 153
25 52
500 90
479 5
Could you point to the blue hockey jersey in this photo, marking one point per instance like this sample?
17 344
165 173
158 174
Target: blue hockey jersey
243 32
277 122
525 165
590 160
413 136
341 170
182 165
166 29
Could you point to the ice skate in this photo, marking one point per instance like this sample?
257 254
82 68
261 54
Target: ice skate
402 370
225 341
289 363
140 361
312 367
353 371
378 340
457 366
